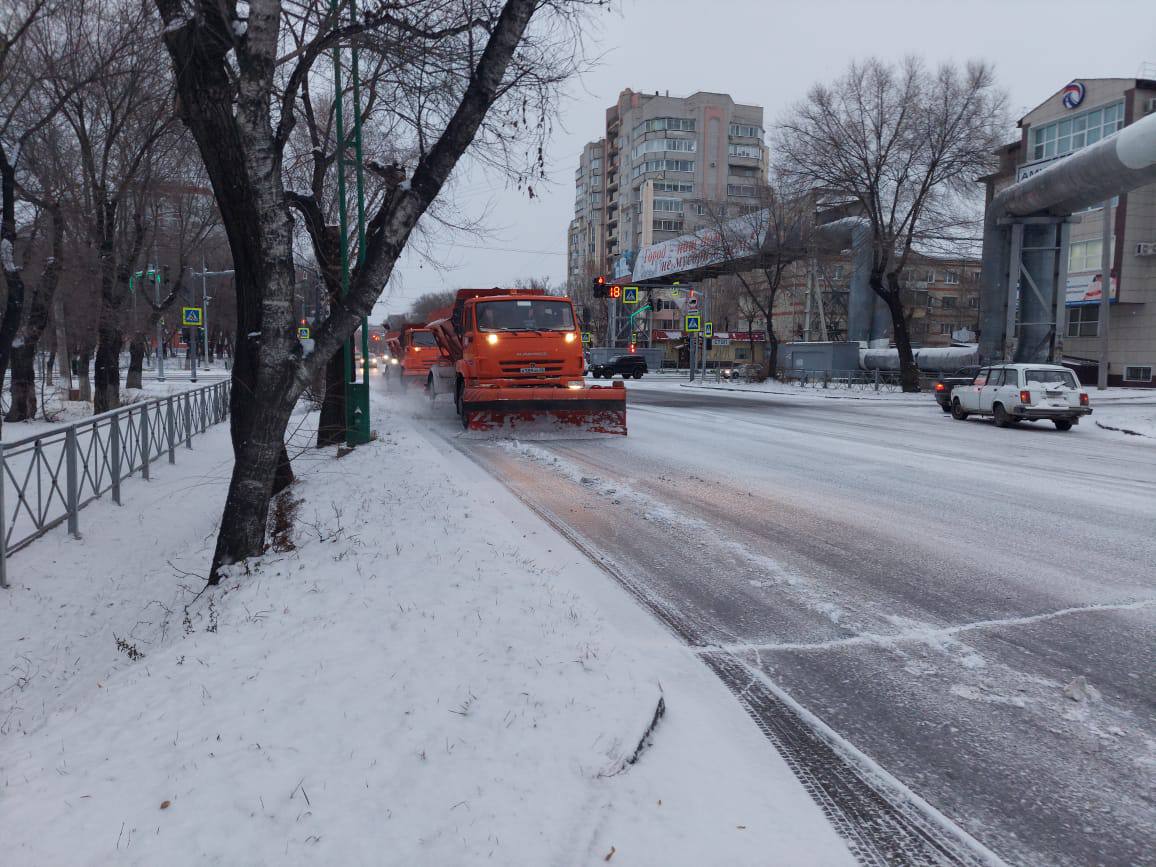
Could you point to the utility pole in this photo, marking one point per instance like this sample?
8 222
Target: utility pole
1105 297
194 338
204 306
160 329
702 334
204 274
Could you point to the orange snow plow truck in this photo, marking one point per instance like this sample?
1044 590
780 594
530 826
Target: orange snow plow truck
514 360
416 350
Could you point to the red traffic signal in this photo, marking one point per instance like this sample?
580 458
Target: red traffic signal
631 347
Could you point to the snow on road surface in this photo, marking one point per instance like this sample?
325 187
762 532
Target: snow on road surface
928 589
421 672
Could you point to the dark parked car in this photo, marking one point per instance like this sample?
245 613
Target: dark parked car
946 382
627 365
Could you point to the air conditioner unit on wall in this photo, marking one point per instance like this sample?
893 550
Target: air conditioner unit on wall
1146 249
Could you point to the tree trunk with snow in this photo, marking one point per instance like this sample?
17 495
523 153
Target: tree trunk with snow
23 384
230 120
23 359
136 354
62 356
83 373
13 279
890 293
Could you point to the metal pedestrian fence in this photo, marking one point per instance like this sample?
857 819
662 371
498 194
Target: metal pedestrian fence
854 380
46 479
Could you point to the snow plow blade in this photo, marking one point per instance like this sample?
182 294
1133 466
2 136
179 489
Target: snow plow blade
594 409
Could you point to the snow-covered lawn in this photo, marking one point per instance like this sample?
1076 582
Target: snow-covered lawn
418 672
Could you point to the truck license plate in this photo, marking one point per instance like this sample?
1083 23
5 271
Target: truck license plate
533 370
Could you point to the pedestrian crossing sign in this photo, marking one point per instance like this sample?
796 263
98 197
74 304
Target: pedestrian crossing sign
587 337
629 294
692 323
193 316
303 333
709 331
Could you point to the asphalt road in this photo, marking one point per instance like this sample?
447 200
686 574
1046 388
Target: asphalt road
927 588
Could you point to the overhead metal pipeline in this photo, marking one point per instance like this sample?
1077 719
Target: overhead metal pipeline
1111 167
867 316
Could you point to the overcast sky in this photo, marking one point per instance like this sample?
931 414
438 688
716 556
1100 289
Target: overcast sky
767 53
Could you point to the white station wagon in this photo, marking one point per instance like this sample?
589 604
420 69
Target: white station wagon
1011 393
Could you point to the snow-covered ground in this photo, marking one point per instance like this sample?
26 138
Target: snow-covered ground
934 591
418 672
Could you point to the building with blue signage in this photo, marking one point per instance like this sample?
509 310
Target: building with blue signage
1077 115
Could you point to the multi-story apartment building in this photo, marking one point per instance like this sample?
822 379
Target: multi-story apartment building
667 155
586 239
666 166
1078 115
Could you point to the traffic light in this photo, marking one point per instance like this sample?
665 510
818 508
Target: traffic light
632 347
604 289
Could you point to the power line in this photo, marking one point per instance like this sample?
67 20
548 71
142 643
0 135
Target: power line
509 249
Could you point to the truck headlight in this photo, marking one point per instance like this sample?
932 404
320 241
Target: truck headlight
491 339
570 337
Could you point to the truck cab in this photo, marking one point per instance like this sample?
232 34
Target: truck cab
519 339
517 359
419 351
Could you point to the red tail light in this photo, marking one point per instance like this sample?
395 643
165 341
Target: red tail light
939 386
1025 397
1083 398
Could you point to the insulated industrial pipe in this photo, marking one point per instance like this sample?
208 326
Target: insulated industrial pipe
1111 167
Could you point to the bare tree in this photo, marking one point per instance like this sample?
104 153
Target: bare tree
906 145
119 120
23 353
35 47
180 216
428 303
491 81
770 237
592 312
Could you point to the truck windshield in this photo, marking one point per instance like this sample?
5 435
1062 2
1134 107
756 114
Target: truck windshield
545 314
422 338
1050 378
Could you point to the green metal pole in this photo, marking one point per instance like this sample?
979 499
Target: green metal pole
360 176
343 215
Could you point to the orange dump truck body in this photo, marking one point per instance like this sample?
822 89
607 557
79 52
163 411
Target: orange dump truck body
417 350
514 359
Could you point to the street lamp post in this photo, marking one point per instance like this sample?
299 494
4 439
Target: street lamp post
204 274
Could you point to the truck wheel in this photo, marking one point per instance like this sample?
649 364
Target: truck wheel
1062 424
957 411
1000 415
459 401
430 388
638 374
